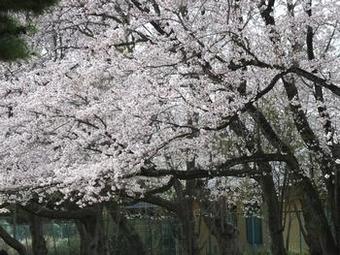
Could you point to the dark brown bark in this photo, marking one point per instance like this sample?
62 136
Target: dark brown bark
188 237
226 234
183 208
269 193
223 169
329 131
312 216
39 210
325 161
226 237
336 209
310 235
274 214
91 232
315 219
185 213
37 234
311 202
125 230
12 242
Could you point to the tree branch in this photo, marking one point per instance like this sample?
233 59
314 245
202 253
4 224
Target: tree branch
41 211
223 169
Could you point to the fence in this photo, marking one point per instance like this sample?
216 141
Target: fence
158 234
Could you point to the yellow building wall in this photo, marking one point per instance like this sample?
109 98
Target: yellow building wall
292 234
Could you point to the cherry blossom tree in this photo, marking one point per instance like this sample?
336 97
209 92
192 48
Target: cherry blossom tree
129 95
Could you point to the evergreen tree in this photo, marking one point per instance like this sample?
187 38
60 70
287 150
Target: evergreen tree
12 45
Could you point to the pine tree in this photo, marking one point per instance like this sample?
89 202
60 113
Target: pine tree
12 45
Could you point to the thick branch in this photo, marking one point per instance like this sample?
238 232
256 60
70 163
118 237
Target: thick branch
162 189
223 169
156 200
54 214
14 243
320 81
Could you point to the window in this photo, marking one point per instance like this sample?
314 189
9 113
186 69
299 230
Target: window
254 230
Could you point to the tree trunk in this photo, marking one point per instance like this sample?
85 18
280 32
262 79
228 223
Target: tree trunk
268 189
37 234
274 214
226 236
315 219
311 238
136 246
311 204
336 197
228 240
92 238
188 237
310 235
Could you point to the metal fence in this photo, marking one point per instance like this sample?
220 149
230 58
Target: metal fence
160 236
